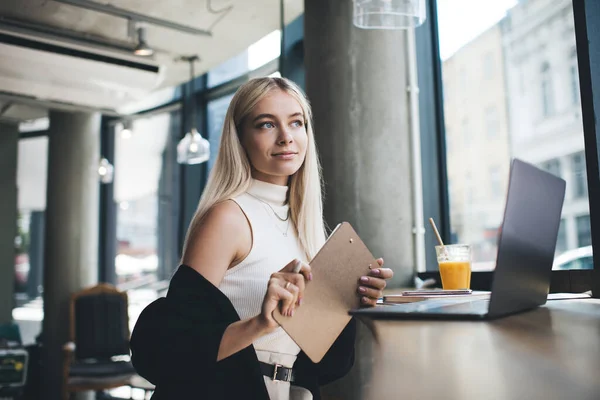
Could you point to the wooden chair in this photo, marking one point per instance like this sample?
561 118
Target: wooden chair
97 356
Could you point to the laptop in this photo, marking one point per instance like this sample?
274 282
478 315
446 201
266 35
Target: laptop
526 245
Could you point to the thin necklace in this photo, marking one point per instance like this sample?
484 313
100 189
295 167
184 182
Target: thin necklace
287 226
272 209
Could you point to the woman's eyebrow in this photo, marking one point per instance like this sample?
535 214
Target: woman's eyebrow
259 116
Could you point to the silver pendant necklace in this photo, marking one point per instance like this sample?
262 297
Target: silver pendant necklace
286 219
272 209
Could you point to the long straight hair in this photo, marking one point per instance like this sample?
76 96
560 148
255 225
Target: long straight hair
231 173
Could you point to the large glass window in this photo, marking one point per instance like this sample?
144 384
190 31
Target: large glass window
29 242
216 116
513 74
139 165
256 55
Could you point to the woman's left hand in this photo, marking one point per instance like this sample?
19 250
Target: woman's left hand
370 287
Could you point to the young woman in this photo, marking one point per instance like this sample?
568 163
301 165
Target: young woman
259 221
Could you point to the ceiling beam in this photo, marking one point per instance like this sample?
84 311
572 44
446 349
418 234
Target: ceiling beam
120 12
53 104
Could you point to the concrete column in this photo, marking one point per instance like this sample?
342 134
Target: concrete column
356 81
9 140
71 252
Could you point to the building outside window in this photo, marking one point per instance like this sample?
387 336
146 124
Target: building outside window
532 85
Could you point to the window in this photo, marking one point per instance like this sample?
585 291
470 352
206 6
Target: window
230 69
495 182
488 66
547 94
469 190
466 129
498 64
255 56
579 179
584 231
491 122
216 116
522 82
574 78
552 166
32 160
140 163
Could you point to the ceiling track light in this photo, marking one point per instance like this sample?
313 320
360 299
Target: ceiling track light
142 48
137 31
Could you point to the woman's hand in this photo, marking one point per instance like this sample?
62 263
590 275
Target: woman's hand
286 288
370 287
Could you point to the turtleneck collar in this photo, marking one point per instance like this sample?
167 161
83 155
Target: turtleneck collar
268 192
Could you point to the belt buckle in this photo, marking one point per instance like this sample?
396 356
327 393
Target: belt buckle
275 370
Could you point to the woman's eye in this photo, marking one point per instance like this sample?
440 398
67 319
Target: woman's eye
298 123
268 125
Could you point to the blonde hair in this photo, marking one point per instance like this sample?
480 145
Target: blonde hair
231 174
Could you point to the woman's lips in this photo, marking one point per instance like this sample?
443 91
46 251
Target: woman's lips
285 155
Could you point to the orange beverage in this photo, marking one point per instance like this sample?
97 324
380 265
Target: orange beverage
455 274
454 261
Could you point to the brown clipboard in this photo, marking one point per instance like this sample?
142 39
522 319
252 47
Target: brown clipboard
332 292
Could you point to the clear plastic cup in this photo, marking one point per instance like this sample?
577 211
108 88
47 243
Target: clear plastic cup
454 261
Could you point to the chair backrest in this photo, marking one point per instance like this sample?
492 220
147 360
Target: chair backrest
99 322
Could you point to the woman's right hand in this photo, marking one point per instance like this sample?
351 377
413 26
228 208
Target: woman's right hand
285 289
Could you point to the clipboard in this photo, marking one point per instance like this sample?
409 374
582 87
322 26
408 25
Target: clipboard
332 292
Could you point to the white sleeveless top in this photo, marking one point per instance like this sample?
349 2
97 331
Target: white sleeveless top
274 244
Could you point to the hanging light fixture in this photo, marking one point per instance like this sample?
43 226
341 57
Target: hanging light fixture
136 31
193 148
105 171
142 48
389 14
127 131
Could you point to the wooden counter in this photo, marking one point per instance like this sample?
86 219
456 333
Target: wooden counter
552 352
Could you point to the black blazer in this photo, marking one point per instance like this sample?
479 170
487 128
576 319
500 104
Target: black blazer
176 339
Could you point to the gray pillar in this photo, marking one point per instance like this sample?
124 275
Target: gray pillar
356 81
9 140
71 253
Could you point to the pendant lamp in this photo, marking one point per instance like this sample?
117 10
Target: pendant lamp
193 148
389 14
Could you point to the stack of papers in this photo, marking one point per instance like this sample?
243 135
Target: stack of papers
411 296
